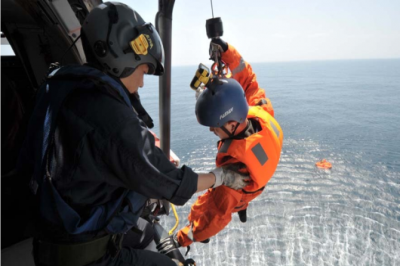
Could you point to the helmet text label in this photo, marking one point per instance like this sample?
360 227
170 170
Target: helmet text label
226 113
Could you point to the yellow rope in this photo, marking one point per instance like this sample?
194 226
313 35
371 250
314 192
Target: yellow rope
176 218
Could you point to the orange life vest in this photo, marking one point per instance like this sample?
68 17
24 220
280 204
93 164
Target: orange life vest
260 152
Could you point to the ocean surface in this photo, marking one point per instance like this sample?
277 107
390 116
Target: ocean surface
345 111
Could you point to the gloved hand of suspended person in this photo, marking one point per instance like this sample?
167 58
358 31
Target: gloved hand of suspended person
229 178
217 47
168 244
222 44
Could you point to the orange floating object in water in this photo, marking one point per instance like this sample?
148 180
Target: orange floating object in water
323 164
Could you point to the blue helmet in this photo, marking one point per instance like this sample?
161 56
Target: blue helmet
222 101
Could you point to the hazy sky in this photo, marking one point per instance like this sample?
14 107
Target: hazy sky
285 30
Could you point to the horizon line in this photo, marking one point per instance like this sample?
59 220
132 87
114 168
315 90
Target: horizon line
308 60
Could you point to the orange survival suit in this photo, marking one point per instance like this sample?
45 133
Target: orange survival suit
259 154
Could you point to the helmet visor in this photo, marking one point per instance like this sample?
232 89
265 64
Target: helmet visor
149 44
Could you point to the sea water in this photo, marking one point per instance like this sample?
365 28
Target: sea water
345 111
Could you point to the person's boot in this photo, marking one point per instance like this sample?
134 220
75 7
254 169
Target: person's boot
205 241
242 215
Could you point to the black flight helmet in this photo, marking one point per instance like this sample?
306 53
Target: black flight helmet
121 40
222 101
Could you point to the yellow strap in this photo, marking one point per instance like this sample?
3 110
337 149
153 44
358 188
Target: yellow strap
176 218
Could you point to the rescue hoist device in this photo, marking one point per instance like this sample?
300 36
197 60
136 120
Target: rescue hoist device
215 30
219 68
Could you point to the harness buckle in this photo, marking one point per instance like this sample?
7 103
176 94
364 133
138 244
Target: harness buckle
115 244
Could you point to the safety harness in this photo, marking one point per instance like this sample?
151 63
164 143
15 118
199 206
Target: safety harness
116 217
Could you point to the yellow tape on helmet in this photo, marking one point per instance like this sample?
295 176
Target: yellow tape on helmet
140 45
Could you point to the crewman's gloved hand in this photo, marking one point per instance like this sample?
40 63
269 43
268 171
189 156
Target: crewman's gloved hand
229 178
168 244
221 43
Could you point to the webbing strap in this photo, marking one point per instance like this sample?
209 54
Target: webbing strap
72 254
225 146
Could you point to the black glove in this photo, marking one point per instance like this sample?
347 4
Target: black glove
220 42
168 244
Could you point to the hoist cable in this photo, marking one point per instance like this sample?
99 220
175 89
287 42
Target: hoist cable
212 9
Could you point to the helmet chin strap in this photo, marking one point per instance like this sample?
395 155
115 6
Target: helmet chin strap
231 135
